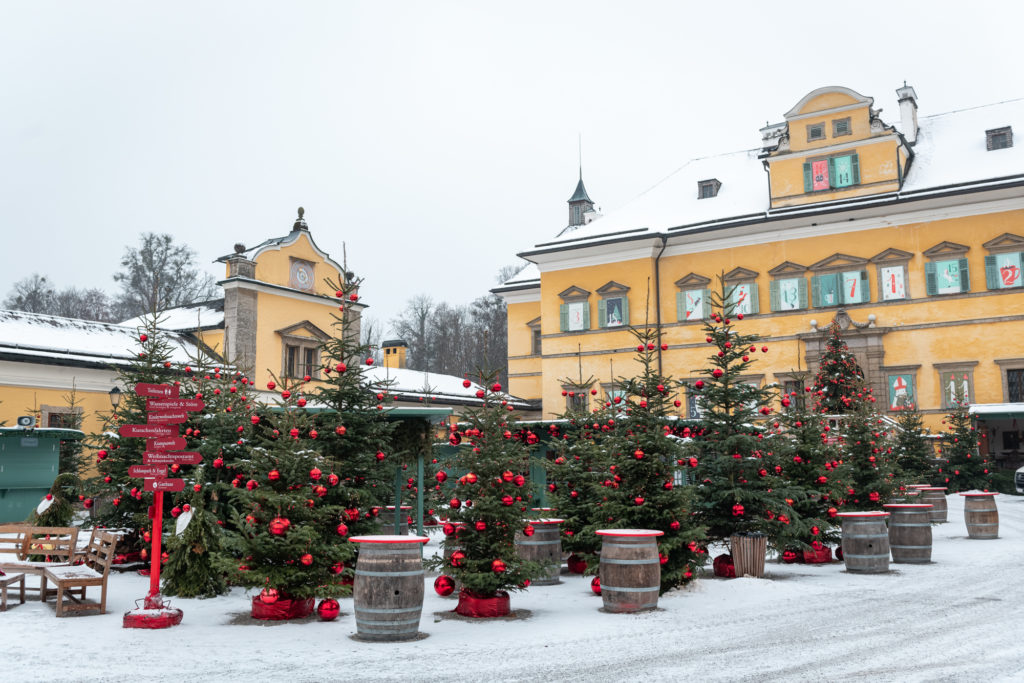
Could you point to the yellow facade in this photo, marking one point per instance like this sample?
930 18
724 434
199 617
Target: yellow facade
917 333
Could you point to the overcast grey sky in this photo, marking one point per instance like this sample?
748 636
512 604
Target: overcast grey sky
435 139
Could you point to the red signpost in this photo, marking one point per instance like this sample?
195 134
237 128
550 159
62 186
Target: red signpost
161 436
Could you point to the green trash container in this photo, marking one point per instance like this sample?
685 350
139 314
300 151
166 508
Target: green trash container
29 462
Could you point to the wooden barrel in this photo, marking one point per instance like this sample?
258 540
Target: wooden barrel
910 533
387 518
981 515
544 546
865 542
936 495
630 569
388 591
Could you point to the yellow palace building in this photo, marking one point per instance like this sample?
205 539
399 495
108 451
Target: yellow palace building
908 233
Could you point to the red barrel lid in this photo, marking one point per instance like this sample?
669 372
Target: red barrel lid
389 539
546 521
976 494
541 509
629 532
404 507
918 486
934 488
869 513
908 505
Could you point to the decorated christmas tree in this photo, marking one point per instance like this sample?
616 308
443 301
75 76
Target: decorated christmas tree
740 491
839 376
807 461
914 455
193 566
488 507
120 499
868 470
57 508
965 469
645 470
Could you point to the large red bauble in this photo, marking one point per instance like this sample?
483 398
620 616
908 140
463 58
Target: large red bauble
279 526
480 526
507 500
315 473
286 394
507 476
470 478
595 585
498 567
639 500
466 383
457 558
444 585
576 564
273 475
441 476
674 525
271 385
306 559
328 610
455 503
448 528
342 529
268 596
528 530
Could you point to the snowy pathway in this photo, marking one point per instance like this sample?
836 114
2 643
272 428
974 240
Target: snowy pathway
958 619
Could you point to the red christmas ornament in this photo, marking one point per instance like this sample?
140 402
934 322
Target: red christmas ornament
279 526
441 476
448 528
332 479
315 474
328 610
369 361
498 567
528 530
457 558
271 385
268 596
466 383
737 510
595 585
507 500
306 559
480 526
342 529
576 564
273 475
444 585
639 500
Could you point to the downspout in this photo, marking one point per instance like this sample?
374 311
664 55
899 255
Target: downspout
657 295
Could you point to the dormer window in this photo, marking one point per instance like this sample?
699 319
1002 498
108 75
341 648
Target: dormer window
708 188
999 138
841 127
815 131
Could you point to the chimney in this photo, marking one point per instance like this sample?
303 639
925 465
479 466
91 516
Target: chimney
908 112
394 353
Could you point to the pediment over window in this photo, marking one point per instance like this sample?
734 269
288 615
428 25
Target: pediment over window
1005 242
693 281
739 274
304 329
612 287
892 255
534 323
839 261
574 293
946 249
788 268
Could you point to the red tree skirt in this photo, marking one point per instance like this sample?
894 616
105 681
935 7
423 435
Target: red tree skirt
473 605
152 618
819 556
284 608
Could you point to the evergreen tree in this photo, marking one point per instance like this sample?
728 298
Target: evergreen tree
489 504
193 567
914 455
868 470
966 469
740 491
643 474
59 510
839 376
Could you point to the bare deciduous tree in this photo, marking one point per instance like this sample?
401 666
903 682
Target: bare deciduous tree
160 274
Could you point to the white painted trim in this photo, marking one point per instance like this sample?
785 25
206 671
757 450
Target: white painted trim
279 290
827 112
309 238
596 255
688 243
40 376
861 100
522 296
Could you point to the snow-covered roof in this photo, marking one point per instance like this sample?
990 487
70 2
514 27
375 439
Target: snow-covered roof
417 383
203 315
996 409
529 275
950 150
70 340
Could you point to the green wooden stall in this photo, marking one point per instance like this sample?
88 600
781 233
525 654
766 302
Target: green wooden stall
29 462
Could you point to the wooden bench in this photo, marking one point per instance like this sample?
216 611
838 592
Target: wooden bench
20 542
71 578
6 581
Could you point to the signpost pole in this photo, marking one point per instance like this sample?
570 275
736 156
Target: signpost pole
154 567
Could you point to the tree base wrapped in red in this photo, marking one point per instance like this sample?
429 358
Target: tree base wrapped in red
482 607
819 556
282 609
724 567
576 564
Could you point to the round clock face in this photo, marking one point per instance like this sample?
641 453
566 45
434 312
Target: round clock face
302 275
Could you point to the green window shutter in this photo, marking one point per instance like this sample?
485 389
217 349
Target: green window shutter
625 311
965 276
563 317
802 293
773 295
808 184
855 164
865 287
832 172
602 313
586 315
706 303
754 304
991 274
931 285
816 291
680 306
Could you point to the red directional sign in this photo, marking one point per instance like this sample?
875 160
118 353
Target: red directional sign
166 443
170 458
158 471
163 485
150 431
175 404
156 390
169 417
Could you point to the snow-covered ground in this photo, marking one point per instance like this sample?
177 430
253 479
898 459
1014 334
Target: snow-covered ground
958 619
